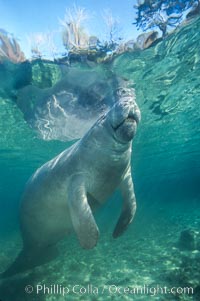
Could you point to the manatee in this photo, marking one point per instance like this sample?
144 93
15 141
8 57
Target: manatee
62 195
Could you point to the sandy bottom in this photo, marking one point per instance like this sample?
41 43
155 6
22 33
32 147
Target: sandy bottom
146 263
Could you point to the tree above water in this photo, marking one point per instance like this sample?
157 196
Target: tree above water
162 14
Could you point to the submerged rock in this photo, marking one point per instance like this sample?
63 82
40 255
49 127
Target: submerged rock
194 12
145 40
45 74
188 240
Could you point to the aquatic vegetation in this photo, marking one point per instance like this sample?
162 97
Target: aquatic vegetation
162 14
74 34
42 45
10 48
114 39
80 45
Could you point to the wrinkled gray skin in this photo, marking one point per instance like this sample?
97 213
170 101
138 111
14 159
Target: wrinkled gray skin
62 194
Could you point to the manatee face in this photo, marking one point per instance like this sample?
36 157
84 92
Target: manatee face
124 116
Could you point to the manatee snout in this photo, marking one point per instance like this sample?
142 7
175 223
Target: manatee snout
124 109
135 113
125 115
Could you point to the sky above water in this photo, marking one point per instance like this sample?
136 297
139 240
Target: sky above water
25 17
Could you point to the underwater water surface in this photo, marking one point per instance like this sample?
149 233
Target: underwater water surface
161 248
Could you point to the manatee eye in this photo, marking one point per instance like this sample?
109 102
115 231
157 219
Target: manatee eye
121 91
124 92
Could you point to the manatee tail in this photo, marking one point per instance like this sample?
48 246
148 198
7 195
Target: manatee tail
28 260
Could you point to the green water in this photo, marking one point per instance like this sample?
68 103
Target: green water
166 173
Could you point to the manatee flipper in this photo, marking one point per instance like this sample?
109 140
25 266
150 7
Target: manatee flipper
27 260
81 214
129 205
